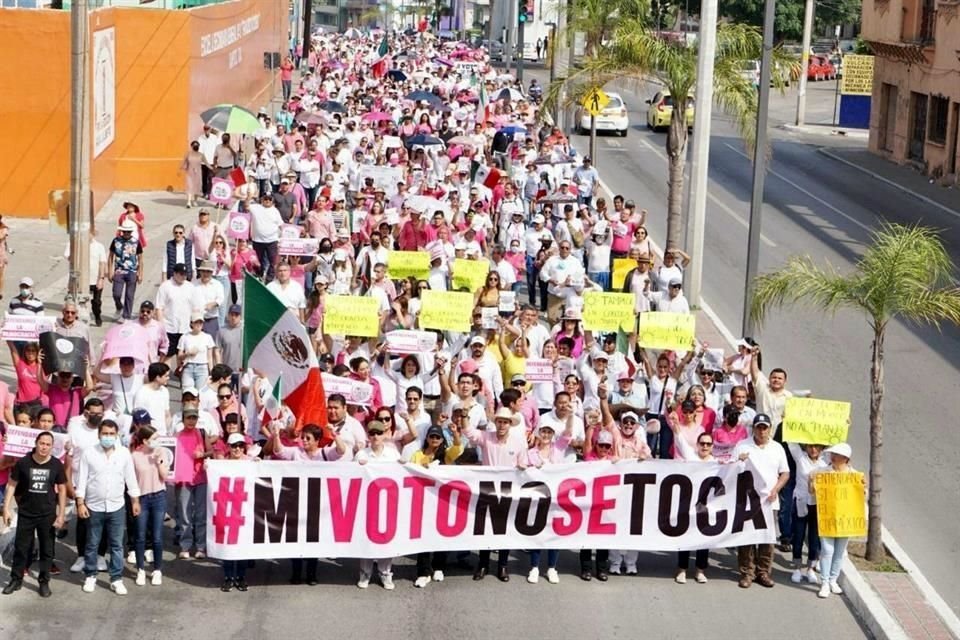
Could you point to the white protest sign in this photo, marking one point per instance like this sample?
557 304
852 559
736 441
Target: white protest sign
407 341
508 302
298 246
384 177
539 370
25 328
355 391
289 231
489 317
20 441
392 142
221 191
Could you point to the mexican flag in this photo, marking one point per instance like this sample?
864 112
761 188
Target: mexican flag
276 343
379 62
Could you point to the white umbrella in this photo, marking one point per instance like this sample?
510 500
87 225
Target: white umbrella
352 33
507 93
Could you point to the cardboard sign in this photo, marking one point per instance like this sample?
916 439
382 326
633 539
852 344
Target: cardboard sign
167 448
238 226
26 328
355 391
539 370
404 264
489 317
621 267
446 310
814 421
384 177
841 508
607 311
407 341
470 274
508 302
221 191
61 353
298 246
20 442
352 316
666 330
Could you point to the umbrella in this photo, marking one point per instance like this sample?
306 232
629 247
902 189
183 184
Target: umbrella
376 116
426 96
397 75
229 118
462 140
352 33
507 93
443 61
310 117
423 140
558 198
514 128
332 106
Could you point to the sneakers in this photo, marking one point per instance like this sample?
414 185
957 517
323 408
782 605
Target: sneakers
552 576
240 584
812 576
101 563
421 582
835 588
141 577
387 580
14 585
132 557
824 590
184 555
681 578
364 580
117 587
200 555
798 575
148 555
77 565
614 571
534 576
227 585
438 576
89 584
632 570
701 577
156 578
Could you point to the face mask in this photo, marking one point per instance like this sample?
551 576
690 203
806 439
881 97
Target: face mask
107 442
94 420
125 439
26 292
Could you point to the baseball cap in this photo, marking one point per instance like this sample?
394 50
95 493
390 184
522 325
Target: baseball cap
675 282
192 413
179 268
28 281
434 430
141 416
235 308
376 426
146 304
196 316
630 415
841 449
605 437
190 391
235 438
761 418
538 219
518 377
477 340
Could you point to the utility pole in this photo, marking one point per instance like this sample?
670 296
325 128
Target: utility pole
700 158
520 50
759 165
804 61
307 16
511 21
80 202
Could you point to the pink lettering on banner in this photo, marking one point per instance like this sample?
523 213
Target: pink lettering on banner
417 486
539 370
221 191
566 504
382 495
458 495
238 226
21 440
343 516
601 503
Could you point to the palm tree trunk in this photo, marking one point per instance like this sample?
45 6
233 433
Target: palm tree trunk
874 538
677 158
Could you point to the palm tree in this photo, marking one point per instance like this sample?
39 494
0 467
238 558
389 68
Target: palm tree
906 274
635 53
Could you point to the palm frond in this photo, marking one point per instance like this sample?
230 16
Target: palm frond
801 281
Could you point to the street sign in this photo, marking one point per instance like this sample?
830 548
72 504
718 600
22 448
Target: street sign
595 101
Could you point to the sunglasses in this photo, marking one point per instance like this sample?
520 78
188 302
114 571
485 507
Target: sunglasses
374 433
676 286
434 437
705 444
178 233
384 418
238 445
227 397
604 446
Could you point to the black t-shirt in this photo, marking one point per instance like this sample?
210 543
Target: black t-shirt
35 492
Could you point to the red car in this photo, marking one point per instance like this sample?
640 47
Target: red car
820 68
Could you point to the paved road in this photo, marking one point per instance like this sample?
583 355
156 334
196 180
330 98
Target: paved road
817 206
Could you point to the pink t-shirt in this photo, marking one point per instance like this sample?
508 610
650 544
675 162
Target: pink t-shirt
558 453
28 386
148 476
65 404
512 453
725 440
187 469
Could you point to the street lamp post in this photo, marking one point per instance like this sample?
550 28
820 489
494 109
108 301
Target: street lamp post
79 218
804 62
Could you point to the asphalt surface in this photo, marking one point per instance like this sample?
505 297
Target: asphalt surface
817 206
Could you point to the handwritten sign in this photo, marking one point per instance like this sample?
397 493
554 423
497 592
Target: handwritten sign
404 264
810 420
470 274
607 311
857 77
165 448
508 301
539 370
298 246
621 267
408 341
841 510
384 177
489 317
355 391
238 225
20 441
25 328
666 330
352 316
446 310
221 191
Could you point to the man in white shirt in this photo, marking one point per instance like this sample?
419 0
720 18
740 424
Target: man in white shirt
290 293
208 147
756 561
211 295
564 275
176 300
508 275
106 469
265 223
673 300
487 368
771 392
346 426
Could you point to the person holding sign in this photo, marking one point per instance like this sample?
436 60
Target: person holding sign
833 548
804 503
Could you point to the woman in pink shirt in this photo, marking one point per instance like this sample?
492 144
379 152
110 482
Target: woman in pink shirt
31 382
731 432
360 368
602 451
548 450
684 422
151 465
244 259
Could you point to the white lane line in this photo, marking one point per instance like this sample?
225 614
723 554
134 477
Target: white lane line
612 143
726 209
809 194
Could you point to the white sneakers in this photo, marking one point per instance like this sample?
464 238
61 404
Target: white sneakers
77 566
835 588
89 584
631 570
701 577
552 576
534 576
421 582
117 587
132 557
824 590
387 580
141 577
797 575
364 580
438 576
156 578
681 578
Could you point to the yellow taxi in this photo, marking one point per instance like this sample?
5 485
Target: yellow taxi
661 110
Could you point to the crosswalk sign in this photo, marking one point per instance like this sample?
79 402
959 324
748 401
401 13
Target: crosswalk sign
595 101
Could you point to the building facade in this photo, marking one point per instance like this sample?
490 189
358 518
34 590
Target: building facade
916 84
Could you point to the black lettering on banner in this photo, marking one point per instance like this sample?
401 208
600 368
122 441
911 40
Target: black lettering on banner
275 516
639 482
716 485
748 504
523 509
683 505
314 489
496 504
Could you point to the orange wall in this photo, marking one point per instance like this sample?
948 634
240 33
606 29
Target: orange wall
162 83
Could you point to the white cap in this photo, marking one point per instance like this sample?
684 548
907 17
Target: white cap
340 255
235 438
841 449
538 219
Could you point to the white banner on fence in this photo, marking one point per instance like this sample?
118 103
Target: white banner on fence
20 441
346 510
355 391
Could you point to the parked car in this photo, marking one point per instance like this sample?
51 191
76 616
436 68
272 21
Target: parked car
613 117
820 68
661 110
750 71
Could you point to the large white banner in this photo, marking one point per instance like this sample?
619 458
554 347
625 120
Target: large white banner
344 509
104 88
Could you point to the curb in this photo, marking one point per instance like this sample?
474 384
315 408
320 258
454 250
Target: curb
868 606
889 182
853 134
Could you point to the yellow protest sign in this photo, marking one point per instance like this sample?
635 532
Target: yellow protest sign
607 311
595 101
470 274
841 510
666 330
446 310
351 316
814 421
621 267
403 264
857 77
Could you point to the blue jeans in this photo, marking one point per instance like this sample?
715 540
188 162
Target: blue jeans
153 506
601 278
533 280
785 516
553 555
234 569
112 524
192 506
194 374
805 526
831 557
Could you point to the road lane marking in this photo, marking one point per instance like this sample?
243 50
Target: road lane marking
726 209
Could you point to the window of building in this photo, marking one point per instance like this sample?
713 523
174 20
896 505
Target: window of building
939 114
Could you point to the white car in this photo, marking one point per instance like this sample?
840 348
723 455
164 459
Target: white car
614 117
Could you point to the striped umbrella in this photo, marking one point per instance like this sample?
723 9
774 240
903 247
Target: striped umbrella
230 118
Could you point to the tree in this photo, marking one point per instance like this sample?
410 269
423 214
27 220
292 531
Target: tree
905 273
787 22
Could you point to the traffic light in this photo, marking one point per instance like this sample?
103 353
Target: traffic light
525 11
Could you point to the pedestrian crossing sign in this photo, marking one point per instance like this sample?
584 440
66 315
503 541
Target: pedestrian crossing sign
595 101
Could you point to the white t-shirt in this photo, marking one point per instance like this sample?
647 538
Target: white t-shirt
201 342
98 256
157 403
177 302
124 390
264 223
771 461
291 294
